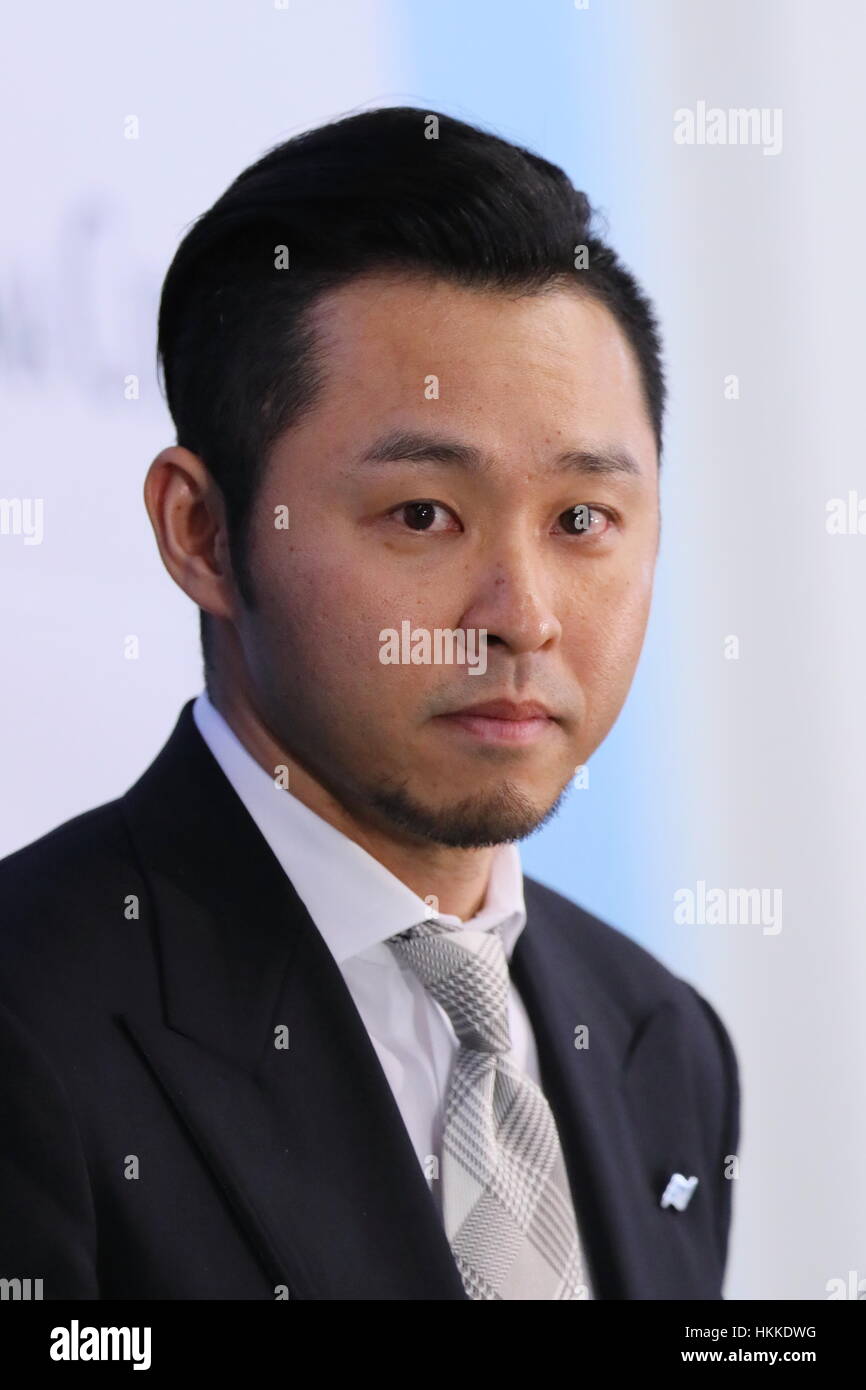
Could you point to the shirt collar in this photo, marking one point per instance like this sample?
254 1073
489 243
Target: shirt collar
354 901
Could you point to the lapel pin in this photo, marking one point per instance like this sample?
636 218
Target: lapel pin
678 1192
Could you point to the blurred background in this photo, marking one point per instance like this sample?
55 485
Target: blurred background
739 761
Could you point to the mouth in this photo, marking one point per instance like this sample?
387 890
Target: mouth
503 721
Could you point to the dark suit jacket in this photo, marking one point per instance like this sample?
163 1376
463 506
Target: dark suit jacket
154 1143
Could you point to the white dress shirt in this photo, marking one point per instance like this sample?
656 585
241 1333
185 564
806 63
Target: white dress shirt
356 904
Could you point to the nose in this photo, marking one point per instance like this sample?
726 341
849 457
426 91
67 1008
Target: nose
512 601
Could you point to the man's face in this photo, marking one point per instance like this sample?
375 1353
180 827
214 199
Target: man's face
466 523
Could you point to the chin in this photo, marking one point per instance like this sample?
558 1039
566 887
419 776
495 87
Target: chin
476 820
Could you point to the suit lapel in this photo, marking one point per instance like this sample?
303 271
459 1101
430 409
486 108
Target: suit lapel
621 1138
306 1142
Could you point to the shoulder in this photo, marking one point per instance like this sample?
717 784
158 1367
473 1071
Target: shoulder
65 860
649 998
614 959
65 902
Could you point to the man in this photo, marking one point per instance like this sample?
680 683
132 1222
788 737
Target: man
284 1021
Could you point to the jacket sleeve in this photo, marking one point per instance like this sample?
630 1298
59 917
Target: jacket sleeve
730 1123
47 1217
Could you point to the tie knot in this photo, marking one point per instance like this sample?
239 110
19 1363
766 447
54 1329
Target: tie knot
465 971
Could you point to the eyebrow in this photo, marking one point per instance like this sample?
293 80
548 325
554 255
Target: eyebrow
411 446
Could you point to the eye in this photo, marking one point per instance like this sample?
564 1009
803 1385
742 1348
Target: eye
583 520
421 516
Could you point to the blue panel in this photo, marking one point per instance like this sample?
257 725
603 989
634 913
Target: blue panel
550 76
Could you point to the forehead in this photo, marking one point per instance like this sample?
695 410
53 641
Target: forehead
495 360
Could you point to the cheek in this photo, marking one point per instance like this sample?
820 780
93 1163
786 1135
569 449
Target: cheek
606 636
322 618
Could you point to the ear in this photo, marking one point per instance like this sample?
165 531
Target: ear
187 513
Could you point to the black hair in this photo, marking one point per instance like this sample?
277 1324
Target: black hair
394 188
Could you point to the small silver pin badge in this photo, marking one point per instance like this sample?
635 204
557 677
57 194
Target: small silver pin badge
678 1192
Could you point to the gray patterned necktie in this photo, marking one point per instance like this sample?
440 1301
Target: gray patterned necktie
506 1201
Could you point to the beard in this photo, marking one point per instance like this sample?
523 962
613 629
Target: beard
474 822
